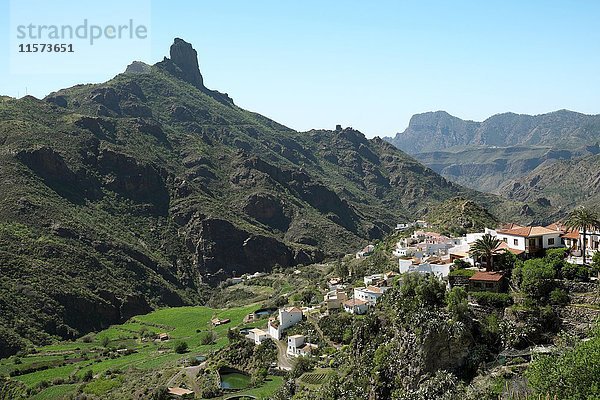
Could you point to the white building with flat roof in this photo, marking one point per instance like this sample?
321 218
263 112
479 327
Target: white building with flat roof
257 335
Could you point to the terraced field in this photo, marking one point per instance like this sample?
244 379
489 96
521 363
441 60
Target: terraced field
100 364
317 377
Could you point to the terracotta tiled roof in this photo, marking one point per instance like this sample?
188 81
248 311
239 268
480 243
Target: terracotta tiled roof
292 310
487 276
354 302
557 226
527 231
570 235
374 289
506 247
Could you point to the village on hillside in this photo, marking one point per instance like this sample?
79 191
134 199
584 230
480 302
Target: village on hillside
456 261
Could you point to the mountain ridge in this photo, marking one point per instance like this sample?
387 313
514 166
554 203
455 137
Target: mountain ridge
429 131
488 155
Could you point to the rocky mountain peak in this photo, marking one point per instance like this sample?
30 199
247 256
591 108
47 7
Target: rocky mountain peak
183 64
185 57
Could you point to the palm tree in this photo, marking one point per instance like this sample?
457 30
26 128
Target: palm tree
583 220
485 247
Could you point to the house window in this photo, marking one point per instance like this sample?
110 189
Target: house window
489 285
551 242
505 240
516 242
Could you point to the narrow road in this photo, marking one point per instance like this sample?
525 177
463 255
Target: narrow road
283 360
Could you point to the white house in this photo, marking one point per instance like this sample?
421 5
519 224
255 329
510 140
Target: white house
365 252
356 306
371 279
254 275
403 227
530 239
287 317
433 249
257 335
439 270
294 343
429 237
307 349
473 237
298 347
421 223
574 239
403 251
456 241
370 294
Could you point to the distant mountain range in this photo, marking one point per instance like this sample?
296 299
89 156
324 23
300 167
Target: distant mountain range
437 131
490 155
135 193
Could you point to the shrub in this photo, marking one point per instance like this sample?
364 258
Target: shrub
462 272
89 338
88 375
208 337
536 277
492 299
559 297
556 254
460 264
337 327
595 267
575 374
43 384
575 272
104 341
457 303
181 347
58 381
596 259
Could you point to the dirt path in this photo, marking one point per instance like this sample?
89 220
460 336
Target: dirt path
190 373
283 360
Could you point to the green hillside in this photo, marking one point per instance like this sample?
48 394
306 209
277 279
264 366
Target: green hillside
146 190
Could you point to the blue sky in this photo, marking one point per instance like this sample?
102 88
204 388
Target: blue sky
371 65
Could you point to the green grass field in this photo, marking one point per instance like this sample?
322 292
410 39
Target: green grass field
270 386
55 392
70 361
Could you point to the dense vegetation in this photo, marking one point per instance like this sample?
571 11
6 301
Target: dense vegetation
572 375
424 342
458 216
